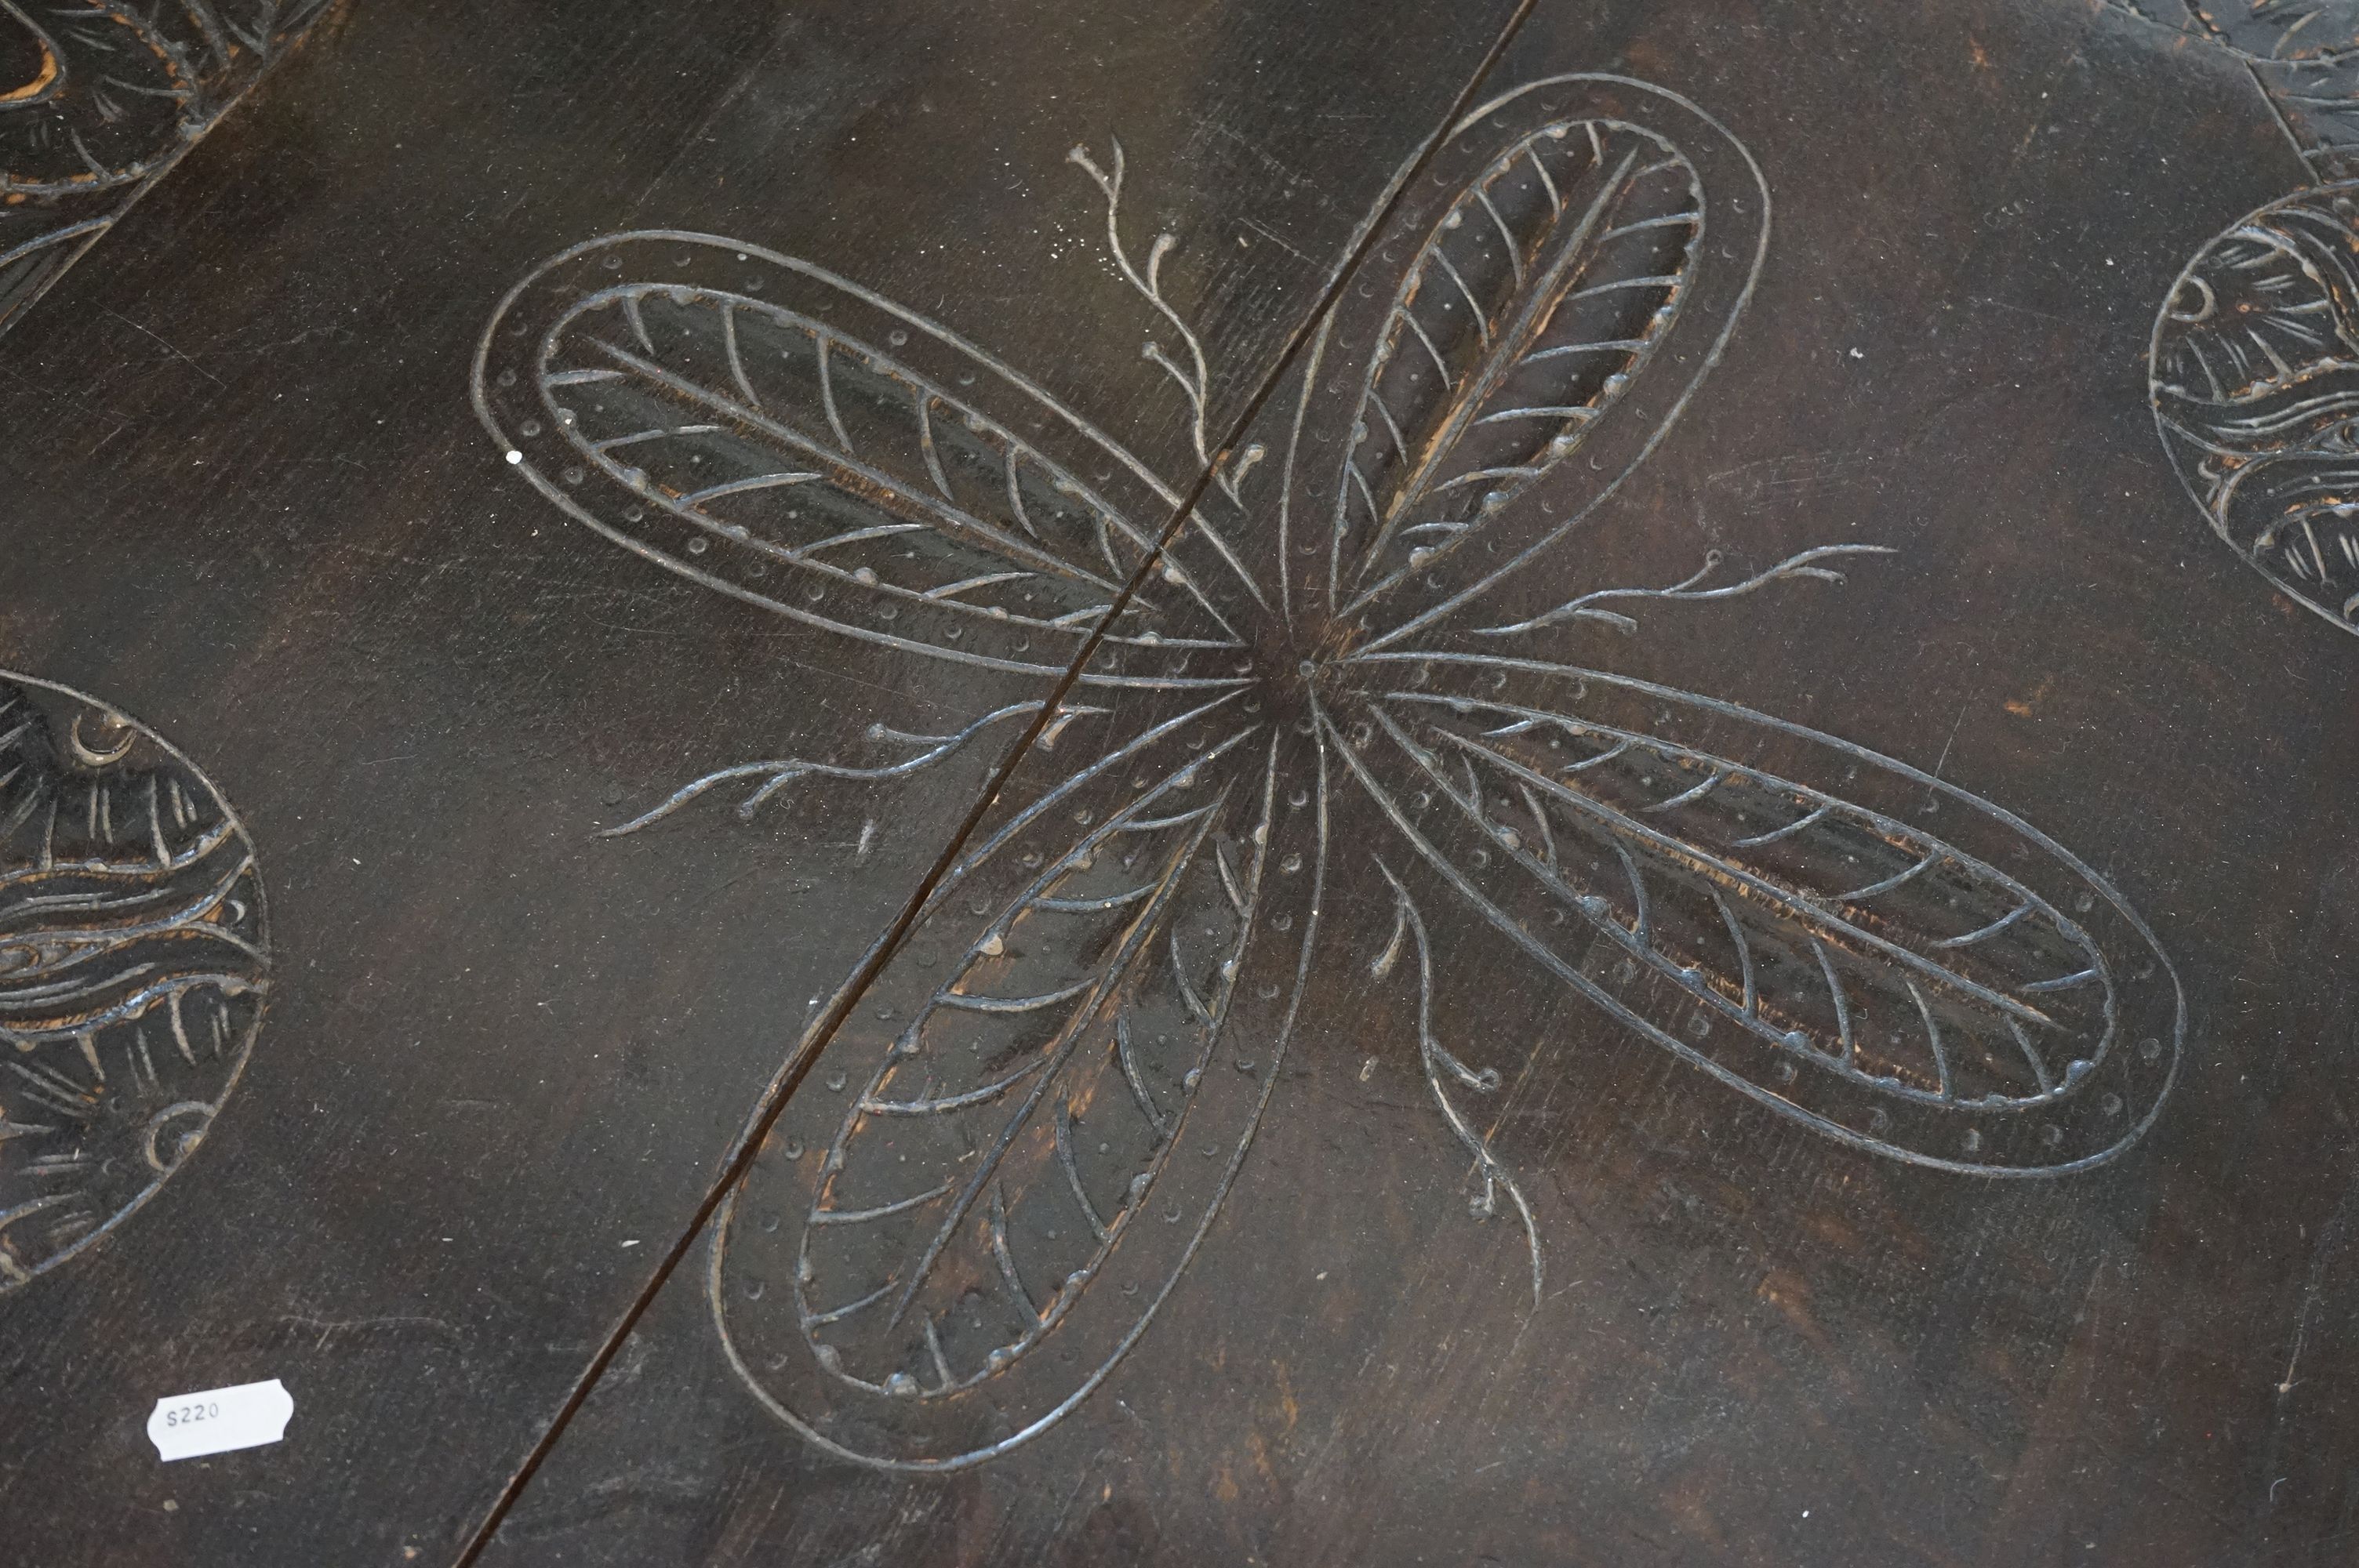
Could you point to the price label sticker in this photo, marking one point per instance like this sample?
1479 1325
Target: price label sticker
190 1426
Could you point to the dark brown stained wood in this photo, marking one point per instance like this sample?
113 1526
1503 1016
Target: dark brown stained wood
1697 912
245 494
1752 1342
135 971
99 99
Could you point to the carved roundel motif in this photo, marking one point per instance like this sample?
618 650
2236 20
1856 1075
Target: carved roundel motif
2256 389
2291 30
91 95
133 965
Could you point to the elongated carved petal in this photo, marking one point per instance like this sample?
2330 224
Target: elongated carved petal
759 426
1541 292
1066 1010
1776 907
1017 1165
1527 325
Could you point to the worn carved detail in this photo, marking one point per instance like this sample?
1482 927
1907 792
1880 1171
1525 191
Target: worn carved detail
2304 54
2257 393
2254 362
98 96
2293 33
2285 32
133 964
1315 710
1549 285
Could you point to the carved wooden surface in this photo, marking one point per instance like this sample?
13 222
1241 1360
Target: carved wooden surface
1298 784
98 98
133 964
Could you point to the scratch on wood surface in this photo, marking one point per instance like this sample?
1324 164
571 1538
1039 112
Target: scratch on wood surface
2330 1241
169 348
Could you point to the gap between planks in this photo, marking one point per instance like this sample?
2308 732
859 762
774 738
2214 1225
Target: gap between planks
789 1077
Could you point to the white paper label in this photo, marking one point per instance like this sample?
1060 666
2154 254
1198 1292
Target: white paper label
219 1419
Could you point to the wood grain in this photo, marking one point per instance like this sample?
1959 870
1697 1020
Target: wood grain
1272 1061
249 499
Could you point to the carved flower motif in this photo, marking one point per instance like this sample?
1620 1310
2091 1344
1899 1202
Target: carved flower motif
1268 697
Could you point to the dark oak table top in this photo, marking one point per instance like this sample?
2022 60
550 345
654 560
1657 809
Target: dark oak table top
1318 782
